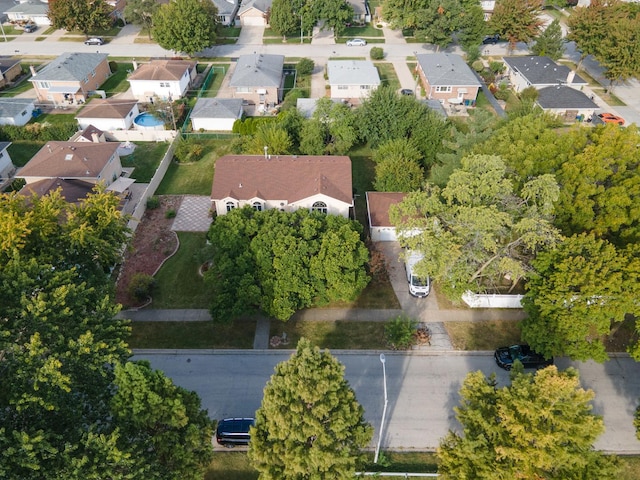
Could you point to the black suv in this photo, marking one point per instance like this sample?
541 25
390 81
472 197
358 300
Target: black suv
491 39
506 356
234 431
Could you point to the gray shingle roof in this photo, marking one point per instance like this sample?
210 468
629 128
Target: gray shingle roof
70 66
258 70
225 7
4 145
447 69
352 72
30 8
10 107
261 5
564 97
7 62
217 108
541 70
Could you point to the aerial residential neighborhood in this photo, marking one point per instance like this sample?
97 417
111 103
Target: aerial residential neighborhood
264 239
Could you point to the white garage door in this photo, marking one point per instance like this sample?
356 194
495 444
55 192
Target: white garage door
252 20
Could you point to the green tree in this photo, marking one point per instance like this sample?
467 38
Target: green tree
84 15
141 12
335 14
331 130
269 261
170 432
478 230
600 186
385 115
187 26
273 136
282 18
516 20
550 43
310 424
581 289
398 167
540 426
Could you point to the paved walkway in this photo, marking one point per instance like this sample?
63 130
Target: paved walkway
193 214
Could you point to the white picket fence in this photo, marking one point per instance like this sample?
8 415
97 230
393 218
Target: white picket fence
475 300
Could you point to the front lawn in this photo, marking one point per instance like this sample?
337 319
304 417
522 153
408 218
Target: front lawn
483 335
190 291
363 32
335 335
388 75
117 82
176 335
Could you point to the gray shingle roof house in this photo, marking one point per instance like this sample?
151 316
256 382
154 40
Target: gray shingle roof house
70 77
254 12
10 68
227 10
216 113
285 182
37 12
539 72
259 78
566 102
361 11
352 78
15 110
446 77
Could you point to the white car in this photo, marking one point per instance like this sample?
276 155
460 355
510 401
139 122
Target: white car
356 42
94 41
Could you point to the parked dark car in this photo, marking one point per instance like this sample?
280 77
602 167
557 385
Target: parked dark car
491 39
506 356
406 91
30 27
234 431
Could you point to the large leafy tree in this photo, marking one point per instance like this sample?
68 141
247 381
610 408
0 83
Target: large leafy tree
540 426
282 18
83 15
580 290
608 30
280 262
517 20
310 424
550 43
187 26
385 115
600 186
478 230
398 167
331 130
141 12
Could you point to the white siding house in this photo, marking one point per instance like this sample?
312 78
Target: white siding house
352 78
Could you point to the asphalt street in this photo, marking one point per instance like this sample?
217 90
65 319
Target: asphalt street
422 389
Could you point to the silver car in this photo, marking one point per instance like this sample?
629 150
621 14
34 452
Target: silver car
356 42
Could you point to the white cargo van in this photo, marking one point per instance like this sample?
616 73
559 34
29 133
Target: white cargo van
418 287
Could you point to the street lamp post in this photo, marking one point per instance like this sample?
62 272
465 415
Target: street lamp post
384 409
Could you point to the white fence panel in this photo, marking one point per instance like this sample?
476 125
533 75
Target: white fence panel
475 300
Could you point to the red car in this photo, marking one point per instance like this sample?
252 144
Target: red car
611 118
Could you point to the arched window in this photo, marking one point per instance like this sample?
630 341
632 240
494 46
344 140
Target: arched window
257 206
319 207
230 206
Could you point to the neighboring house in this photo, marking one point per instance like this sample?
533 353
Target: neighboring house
16 111
91 162
352 78
108 114
361 12
10 69
89 134
540 72
254 12
164 79
566 102
227 11
7 168
447 78
378 203
307 106
216 113
32 11
285 182
71 78
72 190
258 79
487 8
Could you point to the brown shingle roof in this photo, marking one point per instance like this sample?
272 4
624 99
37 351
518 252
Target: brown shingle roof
378 204
109 108
73 191
285 177
162 70
70 160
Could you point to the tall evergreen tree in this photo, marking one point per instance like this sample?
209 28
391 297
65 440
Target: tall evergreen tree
550 43
310 424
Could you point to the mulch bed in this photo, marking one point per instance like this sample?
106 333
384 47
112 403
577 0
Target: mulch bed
153 242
